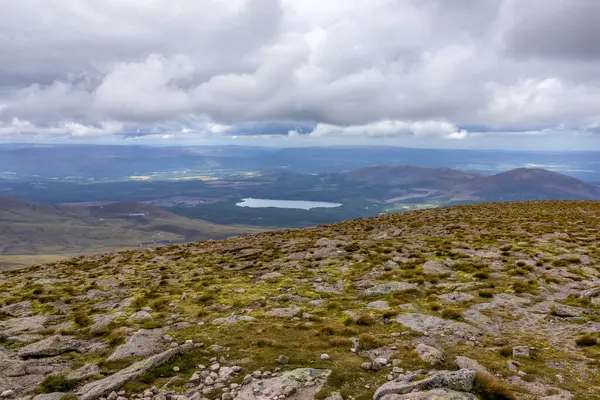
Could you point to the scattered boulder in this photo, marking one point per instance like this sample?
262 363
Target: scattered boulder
561 310
379 305
101 321
17 309
25 324
233 319
434 268
56 345
140 315
460 381
50 396
11 368
521 352
468 363
390 287
456 297
144 342
103 387
298 384
435 394
336 288
83 373
429 324
284 312
271 275
430 354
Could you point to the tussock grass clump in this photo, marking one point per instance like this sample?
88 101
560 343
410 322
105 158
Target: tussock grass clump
365 319
265 342
82 318
338 341
368 341
451 313
390 313
491 388
586 340
57 383
487 293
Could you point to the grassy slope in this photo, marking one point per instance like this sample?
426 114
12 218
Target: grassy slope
538 252
37 232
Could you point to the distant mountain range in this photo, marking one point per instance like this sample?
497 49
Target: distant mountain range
513 185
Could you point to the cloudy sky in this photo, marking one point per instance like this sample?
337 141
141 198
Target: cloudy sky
427 73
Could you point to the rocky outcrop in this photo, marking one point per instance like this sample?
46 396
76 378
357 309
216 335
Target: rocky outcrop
430 355
56 345
144 342
103 387
299 384
390 287
429 324
459 381
435 394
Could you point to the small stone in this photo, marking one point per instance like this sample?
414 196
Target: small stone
236 368
215 367
175 369
195 377
209 381
256 374
112 396
7 393
521 352
366 366
381 360
283 359
247 379
324 356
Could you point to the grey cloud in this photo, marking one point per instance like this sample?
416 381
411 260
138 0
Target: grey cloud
379 67
555 29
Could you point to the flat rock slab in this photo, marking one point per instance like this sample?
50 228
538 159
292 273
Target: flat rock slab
14 310
435 394
233 319
455 297
460 381
56 345
298 384
336 288
26 324
284 312
434 325
114 382
390 287
145 342
379 305
434 268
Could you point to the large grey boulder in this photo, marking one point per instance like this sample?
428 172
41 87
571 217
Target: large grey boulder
145 342
233 319
114 382
284 312
50 396
25 324
101 321
561 310
298 384
56 345
85 372
390 287
435 394
468 363
11 368
460 381
430 355
434 268
14 310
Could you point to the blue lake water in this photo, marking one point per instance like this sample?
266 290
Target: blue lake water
298 204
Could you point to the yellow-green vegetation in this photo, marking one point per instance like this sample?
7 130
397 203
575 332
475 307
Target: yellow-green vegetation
350 290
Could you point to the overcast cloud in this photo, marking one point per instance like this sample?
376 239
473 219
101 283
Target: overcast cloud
430 72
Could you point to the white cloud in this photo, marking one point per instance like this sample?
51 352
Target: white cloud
378 69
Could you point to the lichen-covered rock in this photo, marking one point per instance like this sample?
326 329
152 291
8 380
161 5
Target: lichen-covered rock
434 268
460 381
435 394
390 287
144 342
284 312
430 355
103 387
298 384
56 345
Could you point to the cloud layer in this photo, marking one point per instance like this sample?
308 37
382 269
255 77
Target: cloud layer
376 69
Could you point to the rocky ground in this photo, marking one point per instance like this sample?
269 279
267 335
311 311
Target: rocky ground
492 301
